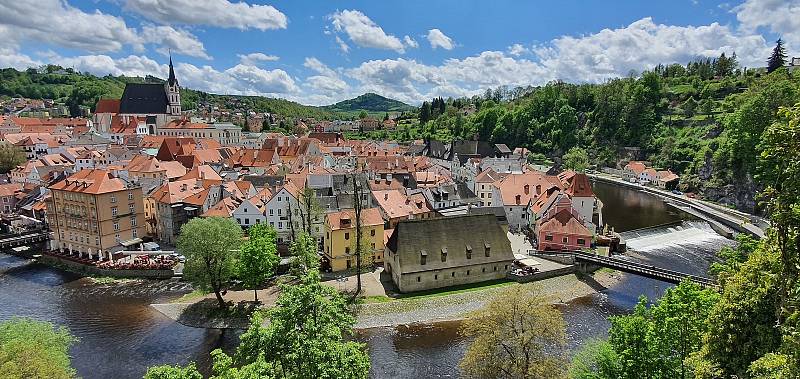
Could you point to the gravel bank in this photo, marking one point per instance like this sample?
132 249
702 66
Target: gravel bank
458 306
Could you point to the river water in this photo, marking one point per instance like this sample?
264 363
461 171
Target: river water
120 335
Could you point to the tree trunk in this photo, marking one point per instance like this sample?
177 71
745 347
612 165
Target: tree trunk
255 294
220 300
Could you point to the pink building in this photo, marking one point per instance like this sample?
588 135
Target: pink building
563 231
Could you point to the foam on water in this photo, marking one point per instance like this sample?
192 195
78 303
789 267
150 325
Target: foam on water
688 233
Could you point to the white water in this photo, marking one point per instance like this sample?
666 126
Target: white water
689 233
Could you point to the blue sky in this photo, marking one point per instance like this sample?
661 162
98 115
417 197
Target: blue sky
319 52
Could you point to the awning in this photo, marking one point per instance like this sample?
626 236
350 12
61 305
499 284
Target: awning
131 242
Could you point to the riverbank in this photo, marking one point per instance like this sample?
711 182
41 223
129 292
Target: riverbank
430 309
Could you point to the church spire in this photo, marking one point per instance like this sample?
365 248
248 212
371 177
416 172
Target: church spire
172 80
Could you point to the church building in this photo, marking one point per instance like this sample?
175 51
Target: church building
143 108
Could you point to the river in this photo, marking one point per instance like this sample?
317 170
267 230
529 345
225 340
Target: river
120 335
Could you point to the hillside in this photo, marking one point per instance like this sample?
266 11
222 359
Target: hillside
370 102
76 89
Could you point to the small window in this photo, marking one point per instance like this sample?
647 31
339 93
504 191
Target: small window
483 269
564 240
453 274
495 268
487 248
346 236
548 237
469 252
346 251
372 232
506 268
581 242
436 277
423 257
444 254
419 279
467 272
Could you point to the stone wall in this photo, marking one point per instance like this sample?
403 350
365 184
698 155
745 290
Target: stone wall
426 280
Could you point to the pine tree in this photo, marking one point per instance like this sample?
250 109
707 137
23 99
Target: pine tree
425 112
778 57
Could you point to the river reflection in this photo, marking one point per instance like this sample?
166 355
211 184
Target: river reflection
121 335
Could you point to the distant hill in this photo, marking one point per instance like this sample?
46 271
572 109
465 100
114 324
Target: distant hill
370 102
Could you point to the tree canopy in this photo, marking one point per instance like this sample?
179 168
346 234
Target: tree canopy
258 258
211 248
32 349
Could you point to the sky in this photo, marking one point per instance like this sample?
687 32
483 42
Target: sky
321 52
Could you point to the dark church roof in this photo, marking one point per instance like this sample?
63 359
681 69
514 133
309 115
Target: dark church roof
143 98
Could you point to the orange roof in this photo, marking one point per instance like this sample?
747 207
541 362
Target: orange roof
107 106
489 176
224 208
10 189
173 192
519 189
91 181
636 166
203 172
579 186
564 222
148 164
398 205
346 219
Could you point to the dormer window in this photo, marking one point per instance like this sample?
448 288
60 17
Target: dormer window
423 257
487 248
469 252
444 254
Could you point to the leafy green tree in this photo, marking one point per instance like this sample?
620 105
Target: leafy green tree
304 338
173 372
595 360
362 115
258 258
517 335
32 349
778 57
305 257
210 246
576 159
425 112
10 157
689 107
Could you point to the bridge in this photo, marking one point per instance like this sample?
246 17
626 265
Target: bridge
25 238
641 269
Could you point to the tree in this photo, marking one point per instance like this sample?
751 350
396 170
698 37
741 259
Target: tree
210 246
34 349
310 210
778 57
305 335
425 112
258 258
10 157
304 254
173 372
362 115
359 246
595 360
576 159
517 335
689 106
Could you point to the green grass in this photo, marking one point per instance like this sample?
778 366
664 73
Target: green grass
374 299
457 289
191 296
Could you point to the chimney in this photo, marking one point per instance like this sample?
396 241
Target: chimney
183 187
386 196
527 189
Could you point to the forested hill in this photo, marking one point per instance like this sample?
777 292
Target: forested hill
80 89
370 102
703 120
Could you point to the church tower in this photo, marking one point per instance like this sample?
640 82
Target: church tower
173 92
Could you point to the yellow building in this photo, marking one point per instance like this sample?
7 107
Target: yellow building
339 244
94 213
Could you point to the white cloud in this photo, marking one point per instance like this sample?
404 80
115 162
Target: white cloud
56 22
253 59
219 13
410 42
439 39
364 32
327 86
102 65
642 45
175 40
517 50
781 17
343 46
10 58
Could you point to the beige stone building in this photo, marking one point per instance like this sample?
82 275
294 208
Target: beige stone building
443 252
94 213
